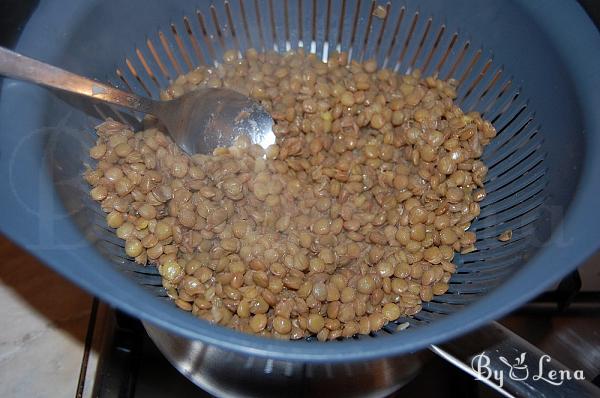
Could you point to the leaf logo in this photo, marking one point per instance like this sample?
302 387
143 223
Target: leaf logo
519 370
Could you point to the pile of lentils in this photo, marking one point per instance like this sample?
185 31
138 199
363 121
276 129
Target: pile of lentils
350 221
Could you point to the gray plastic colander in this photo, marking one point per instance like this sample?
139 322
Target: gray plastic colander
531 67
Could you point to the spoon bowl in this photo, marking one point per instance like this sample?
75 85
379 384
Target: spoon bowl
208 118
198 122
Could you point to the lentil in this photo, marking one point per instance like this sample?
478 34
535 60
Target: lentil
505 236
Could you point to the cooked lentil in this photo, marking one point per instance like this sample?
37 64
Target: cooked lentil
380 12
348 222
505 236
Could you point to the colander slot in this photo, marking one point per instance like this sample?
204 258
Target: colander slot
508 123
119 260
117 256
379 333
466 72
458 300
524 159
239 23
120 116
458 59
500 257
472 74
427 315
331 31
484 275
497 264
441 307
414 53
503 248
430 47
440 58
490 259
362 337
111 110
292 28
391 327
214 29
146 279
272 40
106 235
131 266
115 259
102 111
475 80
375 43
513 211
277 15
307 23
350 29
526 170
409 35
232 27
530 153
133 71
517 137
144 270
388 329
513 224
253 31
94 216
526 219
365 31
503 187
396 16
183 50
155 87
504 102
492 275
112 248
481 93
97 217
412 321
475 283
158 60
534 198
471 287
169 52
150 279
124 81
222 26
528 193
206 44
404 26
372 33
321 28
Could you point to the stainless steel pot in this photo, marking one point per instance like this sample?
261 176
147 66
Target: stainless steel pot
229 374
482 354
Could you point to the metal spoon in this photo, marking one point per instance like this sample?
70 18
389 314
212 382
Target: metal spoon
198 121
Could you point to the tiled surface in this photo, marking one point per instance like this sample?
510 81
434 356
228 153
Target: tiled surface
43 326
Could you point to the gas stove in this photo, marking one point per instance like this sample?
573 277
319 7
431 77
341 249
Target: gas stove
121 361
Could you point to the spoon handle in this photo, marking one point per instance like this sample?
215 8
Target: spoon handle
20 67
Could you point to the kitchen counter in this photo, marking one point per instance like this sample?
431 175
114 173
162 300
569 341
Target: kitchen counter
43 329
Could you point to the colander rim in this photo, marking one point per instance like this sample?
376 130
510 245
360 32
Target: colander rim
476 314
